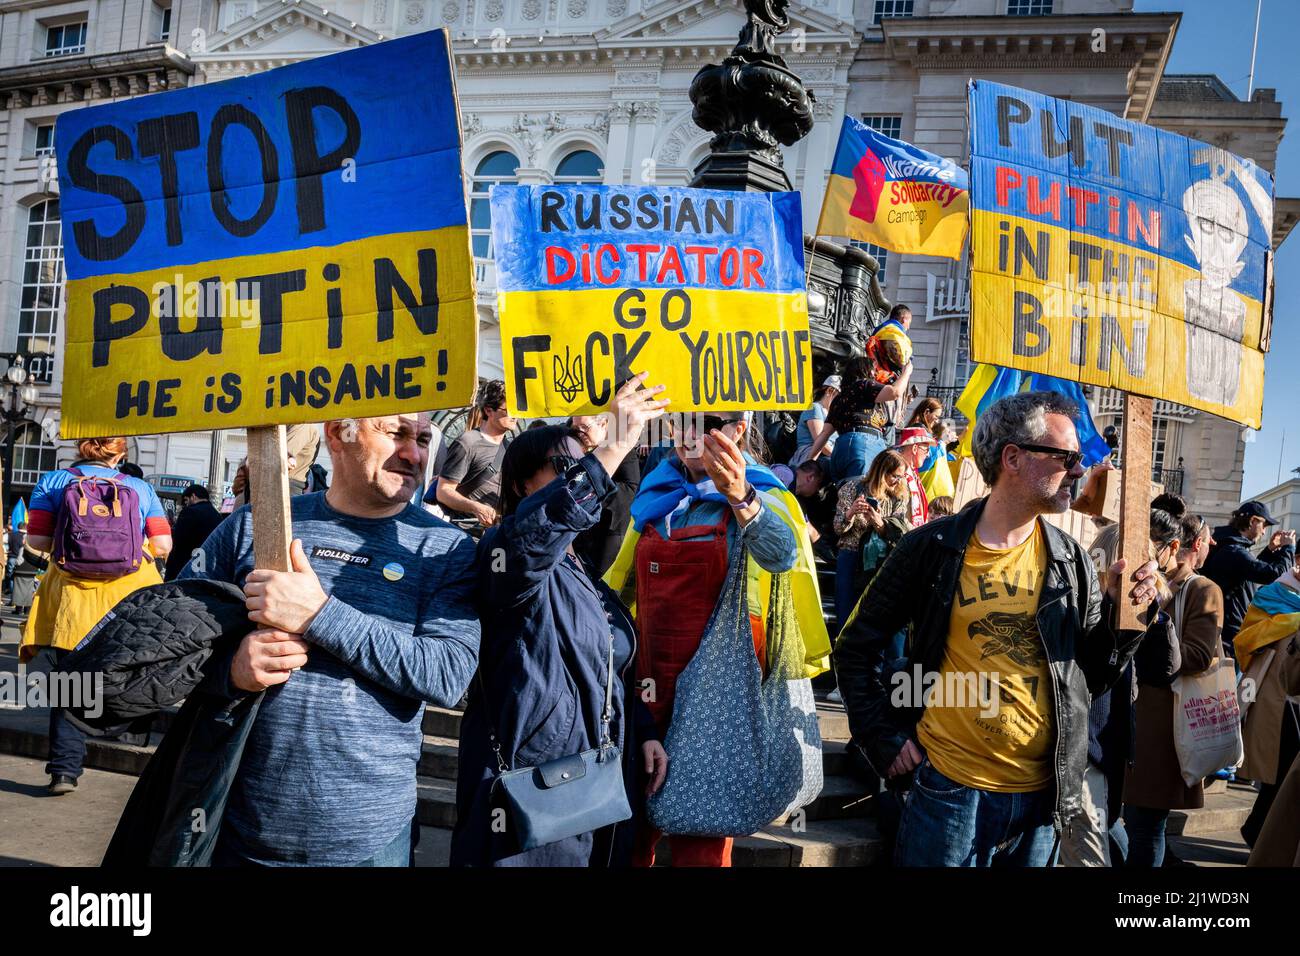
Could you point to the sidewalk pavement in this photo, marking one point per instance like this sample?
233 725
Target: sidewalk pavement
37 829
73 830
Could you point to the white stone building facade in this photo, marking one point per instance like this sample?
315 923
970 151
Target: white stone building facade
573 91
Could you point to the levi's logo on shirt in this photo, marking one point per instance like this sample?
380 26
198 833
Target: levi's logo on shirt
334 554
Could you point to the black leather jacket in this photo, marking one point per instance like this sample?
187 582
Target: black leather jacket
914 589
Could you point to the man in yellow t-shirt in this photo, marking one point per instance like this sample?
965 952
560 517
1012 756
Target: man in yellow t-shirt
1008 638
1000 738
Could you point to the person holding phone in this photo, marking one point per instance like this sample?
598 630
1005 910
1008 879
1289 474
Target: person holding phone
1237 570
871 514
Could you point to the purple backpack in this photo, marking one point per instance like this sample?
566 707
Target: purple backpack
98 533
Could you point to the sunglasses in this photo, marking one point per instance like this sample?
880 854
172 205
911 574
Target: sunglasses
1070 459
717 421
562 463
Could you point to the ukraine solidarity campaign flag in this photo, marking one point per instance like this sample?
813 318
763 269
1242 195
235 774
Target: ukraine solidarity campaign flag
892 194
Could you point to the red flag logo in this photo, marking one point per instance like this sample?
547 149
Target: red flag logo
869 175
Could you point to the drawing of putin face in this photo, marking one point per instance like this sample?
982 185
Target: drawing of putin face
1217 224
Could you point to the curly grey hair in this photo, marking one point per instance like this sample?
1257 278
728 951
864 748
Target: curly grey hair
1014 420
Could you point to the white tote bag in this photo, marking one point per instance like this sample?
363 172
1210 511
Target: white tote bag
1207 718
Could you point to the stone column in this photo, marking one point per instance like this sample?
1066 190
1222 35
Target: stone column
646 123
819 147
616 161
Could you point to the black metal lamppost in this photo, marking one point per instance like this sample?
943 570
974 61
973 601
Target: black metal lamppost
20 394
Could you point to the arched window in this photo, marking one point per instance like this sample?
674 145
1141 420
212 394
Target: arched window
496 168
582 167
42 292
34 455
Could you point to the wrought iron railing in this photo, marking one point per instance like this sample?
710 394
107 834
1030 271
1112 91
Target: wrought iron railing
948 394
1111 402
1171 478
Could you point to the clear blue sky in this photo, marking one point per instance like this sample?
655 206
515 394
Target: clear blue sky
1215 37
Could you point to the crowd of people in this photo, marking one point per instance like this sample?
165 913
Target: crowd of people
595 565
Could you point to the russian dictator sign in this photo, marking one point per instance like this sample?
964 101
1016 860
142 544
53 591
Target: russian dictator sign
1117 254
280 248
703 288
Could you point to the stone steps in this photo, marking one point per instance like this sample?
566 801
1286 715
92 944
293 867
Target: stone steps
835 830
444 722
841 799
439 758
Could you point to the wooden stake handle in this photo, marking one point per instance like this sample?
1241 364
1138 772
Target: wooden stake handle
268 491
1135 503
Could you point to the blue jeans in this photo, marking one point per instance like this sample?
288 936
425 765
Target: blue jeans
1146 836
846 589
67 743
854 453
401 852
947 824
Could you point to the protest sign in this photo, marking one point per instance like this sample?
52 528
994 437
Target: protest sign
281 248
703 288
1116 254
896 195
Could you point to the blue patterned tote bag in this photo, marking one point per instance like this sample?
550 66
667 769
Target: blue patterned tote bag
735 760
794 749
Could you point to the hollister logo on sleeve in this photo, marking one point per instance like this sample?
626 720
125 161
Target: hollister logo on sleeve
334 554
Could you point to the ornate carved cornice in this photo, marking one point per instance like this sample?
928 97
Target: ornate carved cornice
77 79
1137 44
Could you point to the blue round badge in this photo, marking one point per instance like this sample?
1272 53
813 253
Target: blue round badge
394 571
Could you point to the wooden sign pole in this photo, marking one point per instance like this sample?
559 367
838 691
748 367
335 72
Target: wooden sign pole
1135 503
268 491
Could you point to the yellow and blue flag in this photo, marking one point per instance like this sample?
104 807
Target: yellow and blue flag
893 194
1274 614
991 382
664 488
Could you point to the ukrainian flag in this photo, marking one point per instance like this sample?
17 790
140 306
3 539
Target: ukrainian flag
895 195
1273 615
992 382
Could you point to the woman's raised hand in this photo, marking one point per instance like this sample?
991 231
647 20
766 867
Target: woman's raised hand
632 406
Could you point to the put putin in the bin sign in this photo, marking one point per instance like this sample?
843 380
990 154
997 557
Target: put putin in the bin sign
1116 254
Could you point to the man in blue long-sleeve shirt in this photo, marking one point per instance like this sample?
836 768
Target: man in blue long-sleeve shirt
375 619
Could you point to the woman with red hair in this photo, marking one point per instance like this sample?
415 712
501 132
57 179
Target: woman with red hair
66 606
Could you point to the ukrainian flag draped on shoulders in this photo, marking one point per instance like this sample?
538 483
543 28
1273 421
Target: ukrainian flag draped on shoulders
1273 615
664 488
936 475
893 194
992 382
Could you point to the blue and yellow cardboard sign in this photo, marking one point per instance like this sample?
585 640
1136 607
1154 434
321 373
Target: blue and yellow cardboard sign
896 195
281 248
1116 254
704 288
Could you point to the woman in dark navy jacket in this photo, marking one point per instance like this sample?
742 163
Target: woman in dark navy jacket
547 621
